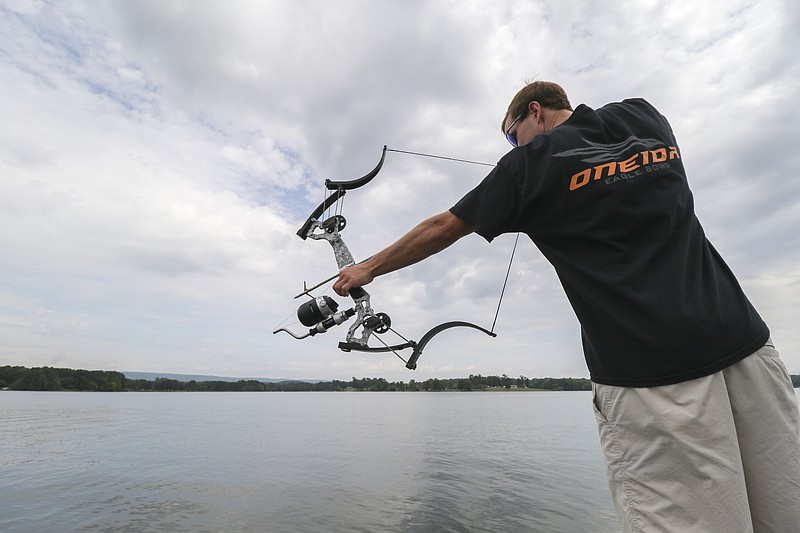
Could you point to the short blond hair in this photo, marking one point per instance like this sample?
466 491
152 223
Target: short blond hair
549 95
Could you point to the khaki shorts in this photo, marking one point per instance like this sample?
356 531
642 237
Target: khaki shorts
719 454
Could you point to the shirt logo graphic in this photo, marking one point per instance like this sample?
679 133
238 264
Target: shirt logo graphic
605 159
600 153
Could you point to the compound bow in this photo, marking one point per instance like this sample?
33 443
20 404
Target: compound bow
321 313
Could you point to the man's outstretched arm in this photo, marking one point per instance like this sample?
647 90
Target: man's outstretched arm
427 238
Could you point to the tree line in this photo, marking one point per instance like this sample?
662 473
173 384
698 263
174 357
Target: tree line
54 379
66 379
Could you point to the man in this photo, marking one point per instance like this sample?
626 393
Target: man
697 416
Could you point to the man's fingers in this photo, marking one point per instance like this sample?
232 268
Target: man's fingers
340 286
349 278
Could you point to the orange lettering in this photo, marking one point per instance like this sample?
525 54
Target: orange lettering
625 167
598 170
659 155
629 165
582 176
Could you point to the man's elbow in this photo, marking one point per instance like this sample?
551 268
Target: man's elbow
452 227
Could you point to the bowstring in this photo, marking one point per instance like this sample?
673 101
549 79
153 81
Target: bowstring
440 157
505 282
516 239
339 206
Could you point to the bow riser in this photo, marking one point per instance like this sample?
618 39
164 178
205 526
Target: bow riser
344 259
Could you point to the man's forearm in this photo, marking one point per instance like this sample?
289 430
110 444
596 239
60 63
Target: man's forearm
426 239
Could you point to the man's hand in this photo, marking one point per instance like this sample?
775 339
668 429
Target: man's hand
354 276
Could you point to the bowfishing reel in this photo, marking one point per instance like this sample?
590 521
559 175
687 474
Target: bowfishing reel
322 313
319 314
317 310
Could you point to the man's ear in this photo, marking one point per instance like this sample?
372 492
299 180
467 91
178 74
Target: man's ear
535 109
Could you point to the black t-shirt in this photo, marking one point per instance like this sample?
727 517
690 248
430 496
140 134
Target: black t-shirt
604 196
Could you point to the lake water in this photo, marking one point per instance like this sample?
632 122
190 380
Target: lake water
285 462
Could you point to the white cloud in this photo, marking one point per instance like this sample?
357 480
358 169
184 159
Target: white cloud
157 158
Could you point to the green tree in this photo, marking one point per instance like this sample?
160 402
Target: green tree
38 379
166 384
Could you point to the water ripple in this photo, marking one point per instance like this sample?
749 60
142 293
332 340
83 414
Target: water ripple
241 462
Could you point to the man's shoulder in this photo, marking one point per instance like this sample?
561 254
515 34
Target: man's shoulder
632 110
627 109
630 103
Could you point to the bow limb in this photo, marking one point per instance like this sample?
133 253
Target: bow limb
358 347
308 226
411 364
340 188
359 182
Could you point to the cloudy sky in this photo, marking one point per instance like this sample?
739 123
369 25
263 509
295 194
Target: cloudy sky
157 158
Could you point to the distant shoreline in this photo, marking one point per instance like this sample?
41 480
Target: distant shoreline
67 379
20 378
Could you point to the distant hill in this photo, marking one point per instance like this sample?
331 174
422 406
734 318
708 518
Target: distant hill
151 376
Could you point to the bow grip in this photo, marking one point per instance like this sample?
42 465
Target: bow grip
357 292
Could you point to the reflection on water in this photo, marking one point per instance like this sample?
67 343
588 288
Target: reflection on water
511 461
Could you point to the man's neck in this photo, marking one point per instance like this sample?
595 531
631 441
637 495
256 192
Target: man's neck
559 117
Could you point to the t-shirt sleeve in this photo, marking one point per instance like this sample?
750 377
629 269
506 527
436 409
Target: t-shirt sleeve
491 207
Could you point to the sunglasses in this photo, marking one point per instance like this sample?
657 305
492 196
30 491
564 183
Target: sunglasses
512 137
